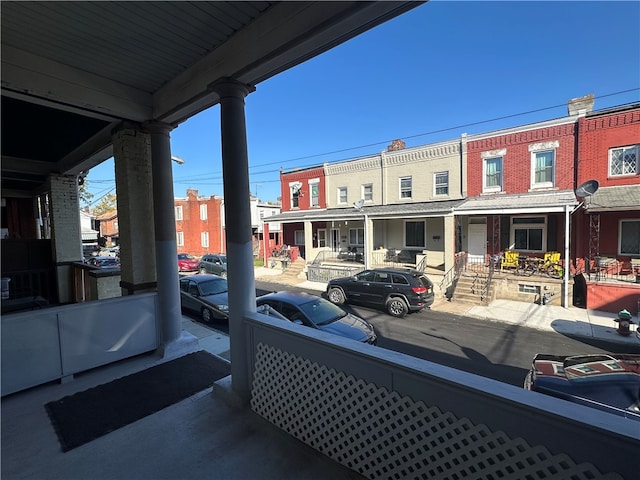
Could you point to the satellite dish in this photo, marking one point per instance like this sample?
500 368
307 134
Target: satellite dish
359 204
587 189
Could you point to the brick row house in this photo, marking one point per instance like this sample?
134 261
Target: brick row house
483 194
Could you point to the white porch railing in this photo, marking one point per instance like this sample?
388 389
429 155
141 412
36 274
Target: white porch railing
388 415
40 346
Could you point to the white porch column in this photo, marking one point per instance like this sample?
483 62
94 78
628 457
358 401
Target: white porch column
133 173
449 242
368 240
241 278
65 230
308 241
169 312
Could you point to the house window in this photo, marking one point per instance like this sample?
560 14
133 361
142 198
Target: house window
298 237
178 212
543 163
204 239
180 238
623 161
441 183
322 238
356 236
414 234
203 211
342 195
314 187
405 187
367 192
629 237
492 177
296 192
528 233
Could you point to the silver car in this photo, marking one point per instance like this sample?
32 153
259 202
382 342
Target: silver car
214 263
205 295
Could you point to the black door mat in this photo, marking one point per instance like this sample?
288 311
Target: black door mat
85 416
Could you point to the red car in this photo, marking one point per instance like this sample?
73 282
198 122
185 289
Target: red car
187 263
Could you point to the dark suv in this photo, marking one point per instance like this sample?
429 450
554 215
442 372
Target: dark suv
213 263
398 290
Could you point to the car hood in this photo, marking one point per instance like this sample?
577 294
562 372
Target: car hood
217 299
351 327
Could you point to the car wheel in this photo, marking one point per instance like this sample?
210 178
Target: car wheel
207 315
336 296
202 270
397 307
223 274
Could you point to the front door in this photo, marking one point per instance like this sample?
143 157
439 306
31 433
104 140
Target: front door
335 240
477 242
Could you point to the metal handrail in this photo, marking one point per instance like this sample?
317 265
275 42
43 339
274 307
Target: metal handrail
453 273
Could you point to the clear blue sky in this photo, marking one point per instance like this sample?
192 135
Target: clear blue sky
442 69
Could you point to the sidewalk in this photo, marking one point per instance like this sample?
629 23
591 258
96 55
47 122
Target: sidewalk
569 321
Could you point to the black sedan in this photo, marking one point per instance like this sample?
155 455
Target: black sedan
316 312
206 295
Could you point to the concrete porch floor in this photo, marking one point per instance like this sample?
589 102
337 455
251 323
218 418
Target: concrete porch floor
204 436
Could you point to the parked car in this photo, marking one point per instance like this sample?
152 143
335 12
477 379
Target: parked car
187 263
105 262
398 290
206 295
316 312
609 382
214 263
110 252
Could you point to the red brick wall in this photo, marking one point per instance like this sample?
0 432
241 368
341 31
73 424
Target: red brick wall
302 176
596 136
192 226
517 160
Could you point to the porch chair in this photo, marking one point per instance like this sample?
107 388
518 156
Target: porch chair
509 259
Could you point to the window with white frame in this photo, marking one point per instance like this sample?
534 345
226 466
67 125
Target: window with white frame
178 210
405 187
314 188
342 195
529 233
441 183
298 237
322 238
356 236
629 237
414 234
623 161
543 164
204 239
295 189
203 211
180 238
492 175
367 192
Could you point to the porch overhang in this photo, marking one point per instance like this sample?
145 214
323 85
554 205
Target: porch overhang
378 212
614 199
528 203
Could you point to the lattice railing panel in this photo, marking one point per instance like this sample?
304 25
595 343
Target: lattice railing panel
381 434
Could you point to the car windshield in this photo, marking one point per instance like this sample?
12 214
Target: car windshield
322 312
213 286
184 256
424 281
223 258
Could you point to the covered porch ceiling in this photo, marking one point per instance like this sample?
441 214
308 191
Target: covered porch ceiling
72 71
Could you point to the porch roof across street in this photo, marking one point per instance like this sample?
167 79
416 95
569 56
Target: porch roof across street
405 210
544 202
623 197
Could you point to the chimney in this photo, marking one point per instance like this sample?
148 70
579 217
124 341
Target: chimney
396 145
581 105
